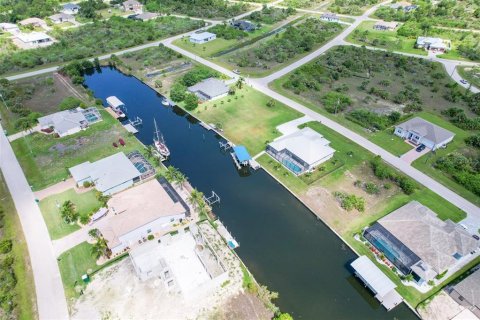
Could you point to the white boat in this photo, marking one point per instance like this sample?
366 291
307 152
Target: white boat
159 142
165 102
116 105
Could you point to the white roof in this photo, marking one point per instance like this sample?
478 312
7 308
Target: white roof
61 16
202 35
32 36
8 26
33 20
114 102
107 172
64 121
373 276
307 144
211 87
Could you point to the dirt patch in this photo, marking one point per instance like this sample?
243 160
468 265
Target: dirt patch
62 149
328 208
442 307
243 306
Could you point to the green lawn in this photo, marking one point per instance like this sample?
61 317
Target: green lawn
425 163
24 292
85 203
73 264
45 159
390 142
246 119
364 34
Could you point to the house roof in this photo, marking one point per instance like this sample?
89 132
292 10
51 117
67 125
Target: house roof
8 26
114 102
71 6
386 24
131 3
106 173
469 288
64 121
202 35
136 207
34 20
244 24
211 87
329 15
307 144
433 240
32 36
61 16
373 276
430 41
427 130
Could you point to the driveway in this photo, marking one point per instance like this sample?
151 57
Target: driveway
413 155
292 126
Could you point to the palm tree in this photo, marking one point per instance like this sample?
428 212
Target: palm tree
180 179
149 151
195 198
240 82
100 249
171 174
94 233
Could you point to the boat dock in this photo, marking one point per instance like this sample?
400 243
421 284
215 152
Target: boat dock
206 126
240 156
254 164
111 112
130 128
229 239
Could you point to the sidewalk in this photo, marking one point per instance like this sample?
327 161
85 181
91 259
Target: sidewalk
22 134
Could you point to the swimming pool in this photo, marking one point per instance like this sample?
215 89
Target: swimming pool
292 166
140 167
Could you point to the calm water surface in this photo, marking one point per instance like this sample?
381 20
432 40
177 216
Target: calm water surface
283 244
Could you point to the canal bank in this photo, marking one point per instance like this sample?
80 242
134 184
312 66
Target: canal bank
283 244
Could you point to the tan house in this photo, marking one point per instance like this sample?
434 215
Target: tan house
36 22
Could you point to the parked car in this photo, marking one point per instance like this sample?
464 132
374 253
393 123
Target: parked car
464 81
420 148
476 237
236 71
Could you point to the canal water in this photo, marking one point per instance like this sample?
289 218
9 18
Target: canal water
282 243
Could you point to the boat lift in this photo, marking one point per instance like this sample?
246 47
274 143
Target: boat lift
211 200
136 122
225 146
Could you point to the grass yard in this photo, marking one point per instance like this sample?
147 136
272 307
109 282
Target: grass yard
364 34
24 291
390 142
85 203
425 163
73 264
45 159
246 119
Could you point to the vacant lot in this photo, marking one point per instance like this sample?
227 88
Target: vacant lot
45 159
403 39
305 4
276 51
351 7
376 83
246 118
84 203
18 294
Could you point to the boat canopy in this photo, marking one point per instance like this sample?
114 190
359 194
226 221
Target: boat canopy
242 154
114 102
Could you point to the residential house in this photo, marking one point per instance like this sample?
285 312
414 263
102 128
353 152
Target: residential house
145 16
65 122
419 131
150 208
202 37
403 5
61 18
385 26
132 5
32 40
377 282
244 25
329 17
109 175
467 293
433 44
36 22
209 89
9 27
301 151
417 242
70 8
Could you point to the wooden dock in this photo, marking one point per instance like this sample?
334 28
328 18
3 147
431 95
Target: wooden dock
113 113
130 128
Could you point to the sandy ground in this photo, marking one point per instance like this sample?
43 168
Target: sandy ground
442 307
326 206
117 293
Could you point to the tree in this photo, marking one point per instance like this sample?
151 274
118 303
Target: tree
191 101
68 212
100 249
336 102
283 316
240 82
158 83
271 103
195 198
94 233
171 174
177 92
181 179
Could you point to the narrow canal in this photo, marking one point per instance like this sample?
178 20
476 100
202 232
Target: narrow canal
282 242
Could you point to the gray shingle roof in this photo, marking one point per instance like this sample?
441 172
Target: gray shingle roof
427 130
469 288
211 87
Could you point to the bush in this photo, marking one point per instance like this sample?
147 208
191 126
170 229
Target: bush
371 188
71 103
227 32
191 101
5 246
473 141
177 92
336 102
350 201
150 237
87 184
383 171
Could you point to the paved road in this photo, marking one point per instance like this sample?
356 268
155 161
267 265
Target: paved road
51 300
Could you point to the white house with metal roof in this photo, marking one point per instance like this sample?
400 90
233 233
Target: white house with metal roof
301 151
377 282
209 89
109 175
65 122
202 37
433 44
9 27
419 131
33 39
61 18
